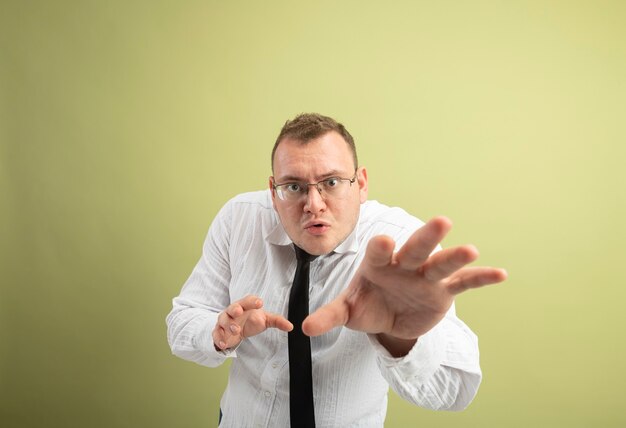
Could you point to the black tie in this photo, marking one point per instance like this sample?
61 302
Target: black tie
300 372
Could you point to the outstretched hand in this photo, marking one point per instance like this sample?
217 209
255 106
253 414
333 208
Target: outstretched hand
401 296
245 318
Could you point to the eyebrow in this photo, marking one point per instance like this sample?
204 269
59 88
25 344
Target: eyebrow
332 173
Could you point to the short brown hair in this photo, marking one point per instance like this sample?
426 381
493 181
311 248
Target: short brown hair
308 126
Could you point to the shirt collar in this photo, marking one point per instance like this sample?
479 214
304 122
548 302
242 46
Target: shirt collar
277 235
350 244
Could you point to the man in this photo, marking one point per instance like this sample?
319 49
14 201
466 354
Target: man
380 298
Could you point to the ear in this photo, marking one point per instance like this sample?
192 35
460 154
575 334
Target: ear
271 184
361 176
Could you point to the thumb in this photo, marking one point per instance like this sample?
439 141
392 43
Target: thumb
278 321
329 316
379 251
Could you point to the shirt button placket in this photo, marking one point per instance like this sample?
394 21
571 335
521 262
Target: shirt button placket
269 378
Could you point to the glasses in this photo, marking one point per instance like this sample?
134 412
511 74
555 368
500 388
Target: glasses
333 187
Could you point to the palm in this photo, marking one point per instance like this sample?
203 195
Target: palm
245 318
252 322
404 294
392 308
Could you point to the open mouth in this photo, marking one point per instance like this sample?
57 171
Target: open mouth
317 228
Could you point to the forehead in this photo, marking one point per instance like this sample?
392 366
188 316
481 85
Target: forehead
313 159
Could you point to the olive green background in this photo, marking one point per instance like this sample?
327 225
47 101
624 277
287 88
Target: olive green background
125 125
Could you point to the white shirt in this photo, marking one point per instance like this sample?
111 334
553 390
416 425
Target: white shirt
247 251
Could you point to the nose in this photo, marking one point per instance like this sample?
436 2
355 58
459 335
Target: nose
314 201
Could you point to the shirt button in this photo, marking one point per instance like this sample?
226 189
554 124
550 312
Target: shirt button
274 365
267 393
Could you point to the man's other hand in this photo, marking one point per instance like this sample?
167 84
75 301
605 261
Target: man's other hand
245 318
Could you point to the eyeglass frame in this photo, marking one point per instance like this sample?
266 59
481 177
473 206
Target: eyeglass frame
308 185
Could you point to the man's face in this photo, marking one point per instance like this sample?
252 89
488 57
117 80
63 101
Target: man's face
316 222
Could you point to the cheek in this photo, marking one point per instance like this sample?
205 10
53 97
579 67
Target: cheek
289 215
348 213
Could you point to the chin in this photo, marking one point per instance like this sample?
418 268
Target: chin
317 248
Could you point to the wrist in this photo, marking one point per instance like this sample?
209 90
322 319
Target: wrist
395 346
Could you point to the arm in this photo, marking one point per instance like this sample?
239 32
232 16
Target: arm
204 326
205 294
404 301
441 372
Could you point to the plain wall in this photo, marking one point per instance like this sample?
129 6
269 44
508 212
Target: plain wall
125 125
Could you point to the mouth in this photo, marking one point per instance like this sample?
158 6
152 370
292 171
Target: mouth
316 228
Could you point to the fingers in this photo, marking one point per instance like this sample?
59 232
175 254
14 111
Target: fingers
422 243
245 318
474 277
444 263
379 251
220 340
278 321
227 332
242 305
226 319
329 316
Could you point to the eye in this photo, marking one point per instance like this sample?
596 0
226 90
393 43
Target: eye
331 182
293 187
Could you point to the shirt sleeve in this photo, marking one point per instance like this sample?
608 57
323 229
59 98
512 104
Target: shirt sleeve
441 372
204 295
